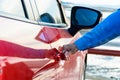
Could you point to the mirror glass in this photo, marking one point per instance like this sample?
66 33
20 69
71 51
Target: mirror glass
85 17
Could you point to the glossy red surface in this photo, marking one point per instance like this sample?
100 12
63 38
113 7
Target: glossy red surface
45 69
62 70
50 35
104 52
52 69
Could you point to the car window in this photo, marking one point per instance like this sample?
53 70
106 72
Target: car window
12 7
49 11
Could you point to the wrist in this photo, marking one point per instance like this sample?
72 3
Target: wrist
75 47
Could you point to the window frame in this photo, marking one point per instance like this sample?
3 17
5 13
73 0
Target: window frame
29 18
62 15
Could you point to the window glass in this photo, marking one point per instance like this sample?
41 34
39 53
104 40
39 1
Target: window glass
12 7
48 11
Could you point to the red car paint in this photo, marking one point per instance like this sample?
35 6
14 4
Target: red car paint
53 69
50 35
23 30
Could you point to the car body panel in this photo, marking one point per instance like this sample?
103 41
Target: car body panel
23 31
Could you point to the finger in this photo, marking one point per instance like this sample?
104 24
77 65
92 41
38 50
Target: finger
67 55
63 51
60 48
66 47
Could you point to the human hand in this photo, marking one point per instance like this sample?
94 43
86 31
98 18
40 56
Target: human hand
68 49
55 54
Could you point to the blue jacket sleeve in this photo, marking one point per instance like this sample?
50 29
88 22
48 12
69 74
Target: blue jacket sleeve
102 33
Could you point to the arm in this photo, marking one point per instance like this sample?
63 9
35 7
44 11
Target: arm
102 33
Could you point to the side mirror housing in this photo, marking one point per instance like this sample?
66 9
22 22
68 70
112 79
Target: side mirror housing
83 18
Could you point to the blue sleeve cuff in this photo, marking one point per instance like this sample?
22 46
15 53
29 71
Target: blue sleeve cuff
81 43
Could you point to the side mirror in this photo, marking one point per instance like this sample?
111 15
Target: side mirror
83 18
